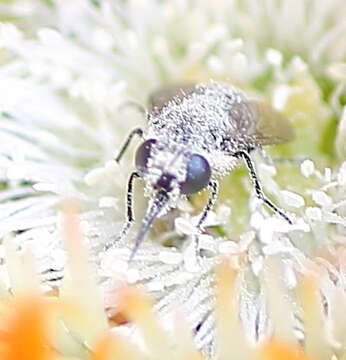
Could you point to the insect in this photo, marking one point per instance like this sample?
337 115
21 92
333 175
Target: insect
195 135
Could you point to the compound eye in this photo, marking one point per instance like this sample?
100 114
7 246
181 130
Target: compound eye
197 175
143 154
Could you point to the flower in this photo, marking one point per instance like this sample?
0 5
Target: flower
49 326
79 67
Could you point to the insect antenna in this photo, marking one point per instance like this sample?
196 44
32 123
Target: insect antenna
153 211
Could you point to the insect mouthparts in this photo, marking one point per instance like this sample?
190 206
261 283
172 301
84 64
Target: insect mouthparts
165 182
154 208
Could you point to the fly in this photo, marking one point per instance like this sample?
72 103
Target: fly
195 135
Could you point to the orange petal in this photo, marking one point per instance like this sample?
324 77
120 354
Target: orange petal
230 333
277 351
112 346
138 308
102 350
26 332
134 304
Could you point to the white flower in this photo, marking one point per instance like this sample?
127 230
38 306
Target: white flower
68 73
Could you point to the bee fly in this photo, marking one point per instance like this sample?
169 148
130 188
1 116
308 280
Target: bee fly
196 134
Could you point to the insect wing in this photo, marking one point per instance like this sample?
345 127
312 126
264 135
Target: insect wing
271 127
159 98
267 126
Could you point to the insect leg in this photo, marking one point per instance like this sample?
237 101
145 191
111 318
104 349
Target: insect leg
129 204
214 190
258 188
135 131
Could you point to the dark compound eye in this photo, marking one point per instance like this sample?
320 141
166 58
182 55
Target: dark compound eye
143 154
197 175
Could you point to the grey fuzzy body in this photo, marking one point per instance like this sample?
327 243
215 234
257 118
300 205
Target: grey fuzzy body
203 121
